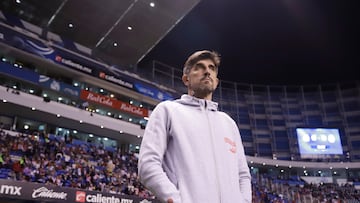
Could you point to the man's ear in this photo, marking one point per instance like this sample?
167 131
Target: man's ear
185 80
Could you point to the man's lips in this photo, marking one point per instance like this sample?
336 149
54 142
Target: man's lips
206 79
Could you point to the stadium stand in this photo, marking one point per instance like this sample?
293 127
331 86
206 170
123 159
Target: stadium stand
79 145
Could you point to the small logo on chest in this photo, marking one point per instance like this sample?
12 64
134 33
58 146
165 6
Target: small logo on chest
231 144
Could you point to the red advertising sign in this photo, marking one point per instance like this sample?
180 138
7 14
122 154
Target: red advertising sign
113 103
100 99
133 109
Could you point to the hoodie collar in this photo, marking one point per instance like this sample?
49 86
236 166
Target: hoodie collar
193 101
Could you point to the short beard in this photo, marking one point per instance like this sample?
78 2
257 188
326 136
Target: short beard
202 92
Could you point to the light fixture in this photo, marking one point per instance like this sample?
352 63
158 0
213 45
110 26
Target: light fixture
129 28
115 44
152 4
33 108
70 25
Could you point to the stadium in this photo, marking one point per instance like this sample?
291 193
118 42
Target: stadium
73 111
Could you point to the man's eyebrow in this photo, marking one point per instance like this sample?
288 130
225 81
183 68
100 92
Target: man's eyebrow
200 63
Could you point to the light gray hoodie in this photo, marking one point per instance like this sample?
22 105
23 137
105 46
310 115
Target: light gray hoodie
193 153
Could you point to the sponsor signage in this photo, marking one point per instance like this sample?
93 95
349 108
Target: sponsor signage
58 86
9 189
43 50
70 63
115 80
100 99
82 197
44 192
26 43
51 193
152 92
78 62
113 103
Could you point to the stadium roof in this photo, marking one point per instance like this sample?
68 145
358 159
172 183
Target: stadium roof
261 42
120 32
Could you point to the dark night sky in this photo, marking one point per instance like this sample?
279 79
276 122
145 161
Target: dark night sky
270 41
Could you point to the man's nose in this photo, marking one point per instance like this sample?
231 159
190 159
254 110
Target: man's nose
207 71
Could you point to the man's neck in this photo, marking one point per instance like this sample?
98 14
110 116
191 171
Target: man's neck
206 97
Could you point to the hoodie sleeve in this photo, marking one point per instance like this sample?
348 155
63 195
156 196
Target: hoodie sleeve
152 150
244 173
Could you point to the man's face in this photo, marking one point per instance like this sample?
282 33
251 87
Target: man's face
202 79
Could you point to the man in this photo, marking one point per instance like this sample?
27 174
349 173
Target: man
191 152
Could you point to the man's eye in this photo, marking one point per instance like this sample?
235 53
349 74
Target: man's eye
212 68
197 67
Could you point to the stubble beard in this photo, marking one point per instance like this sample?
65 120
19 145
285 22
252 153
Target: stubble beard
202 91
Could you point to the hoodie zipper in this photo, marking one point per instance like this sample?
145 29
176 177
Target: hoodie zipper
213 151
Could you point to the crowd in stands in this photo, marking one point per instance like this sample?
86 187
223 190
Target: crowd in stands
53 160
270 189
50 159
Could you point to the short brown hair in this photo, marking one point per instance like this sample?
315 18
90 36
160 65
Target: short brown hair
200 55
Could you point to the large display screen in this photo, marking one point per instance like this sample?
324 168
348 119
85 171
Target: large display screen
319 142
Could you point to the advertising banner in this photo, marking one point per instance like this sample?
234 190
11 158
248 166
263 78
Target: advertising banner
99 99
116 80
43 50
50 193
59 86
152 92
78 62
113 103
